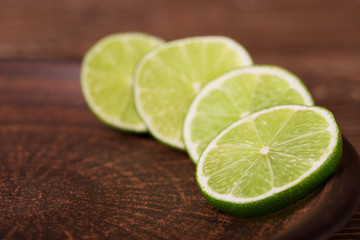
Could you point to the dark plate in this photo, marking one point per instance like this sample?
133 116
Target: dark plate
63 174
319 215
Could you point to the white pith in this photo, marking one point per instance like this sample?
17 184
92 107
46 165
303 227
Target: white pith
332 129
264 150
178 143
216 84
85 88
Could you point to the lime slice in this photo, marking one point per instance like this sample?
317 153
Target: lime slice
269 159
106 78
236 95
169 77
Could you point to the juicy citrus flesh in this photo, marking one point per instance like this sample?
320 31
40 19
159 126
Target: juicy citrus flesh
236 95
169 77
107 76
269 159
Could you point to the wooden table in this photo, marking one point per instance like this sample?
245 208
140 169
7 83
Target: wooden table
60 167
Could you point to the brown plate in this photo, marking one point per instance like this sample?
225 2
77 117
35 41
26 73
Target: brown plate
63 174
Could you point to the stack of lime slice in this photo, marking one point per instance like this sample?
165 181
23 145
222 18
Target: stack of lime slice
258 142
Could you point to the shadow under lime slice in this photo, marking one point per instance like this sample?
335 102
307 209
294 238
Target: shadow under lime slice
269 159
169 77
236 95
107 76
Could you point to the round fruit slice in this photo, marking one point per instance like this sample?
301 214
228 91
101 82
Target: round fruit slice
107 76
269 159
169 77
236 95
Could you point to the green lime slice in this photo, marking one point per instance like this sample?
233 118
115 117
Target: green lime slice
169 77
236 95
269 159
107 76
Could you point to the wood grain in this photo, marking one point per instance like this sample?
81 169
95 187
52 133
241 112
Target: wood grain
63 174
65 29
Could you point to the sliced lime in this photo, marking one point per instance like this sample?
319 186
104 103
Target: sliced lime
107 76
168 78
269 159
236 95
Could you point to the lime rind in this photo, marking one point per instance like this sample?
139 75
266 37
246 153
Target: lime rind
278 197
95 49
244 55
178 143
293 80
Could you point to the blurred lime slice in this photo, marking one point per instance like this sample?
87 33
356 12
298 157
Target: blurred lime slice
107 76
169 77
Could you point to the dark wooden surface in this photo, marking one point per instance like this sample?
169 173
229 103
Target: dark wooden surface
52 29
61 168
63 174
